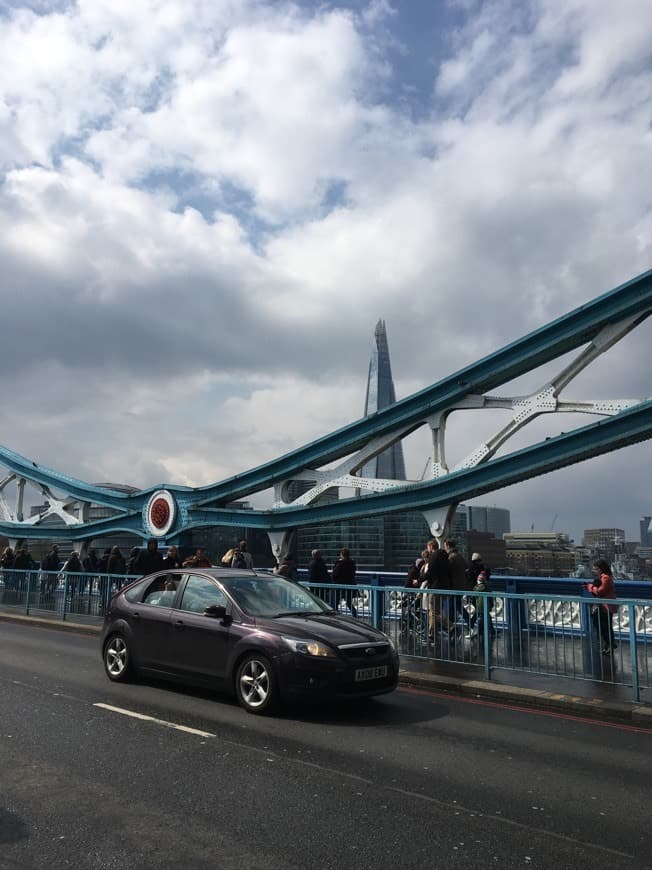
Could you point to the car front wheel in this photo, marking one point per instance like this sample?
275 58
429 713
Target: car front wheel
117 659
255 684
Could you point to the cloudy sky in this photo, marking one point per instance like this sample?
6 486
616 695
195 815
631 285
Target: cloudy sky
206 205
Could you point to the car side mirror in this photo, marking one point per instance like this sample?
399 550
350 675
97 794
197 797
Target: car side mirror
217 611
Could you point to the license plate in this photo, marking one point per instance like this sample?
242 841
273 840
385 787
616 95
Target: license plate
370 673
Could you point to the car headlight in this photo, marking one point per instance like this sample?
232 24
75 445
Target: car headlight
389 640
309 647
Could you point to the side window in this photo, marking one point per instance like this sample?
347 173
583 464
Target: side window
162 591
200 593
135 592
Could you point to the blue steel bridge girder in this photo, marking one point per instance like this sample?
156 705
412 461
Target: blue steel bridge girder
168 510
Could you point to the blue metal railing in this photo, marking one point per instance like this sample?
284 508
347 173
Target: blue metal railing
538 631
58 593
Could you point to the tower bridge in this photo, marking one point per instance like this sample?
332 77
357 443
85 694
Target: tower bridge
168 510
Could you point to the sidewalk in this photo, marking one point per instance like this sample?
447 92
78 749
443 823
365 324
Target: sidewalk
524 690
598 701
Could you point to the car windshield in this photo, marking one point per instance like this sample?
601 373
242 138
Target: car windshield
272 596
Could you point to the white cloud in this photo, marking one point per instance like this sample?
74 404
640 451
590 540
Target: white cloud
206 205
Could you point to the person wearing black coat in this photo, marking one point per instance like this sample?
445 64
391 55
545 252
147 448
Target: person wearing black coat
437 576
116 563
318 573
344 575
91 567
132 562
50 563
150 560
172 559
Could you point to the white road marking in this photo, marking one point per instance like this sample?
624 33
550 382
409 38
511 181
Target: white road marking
163 722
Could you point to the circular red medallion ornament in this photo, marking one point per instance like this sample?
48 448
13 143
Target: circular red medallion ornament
160 512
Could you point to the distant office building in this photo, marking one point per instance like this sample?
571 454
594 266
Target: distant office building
389 465
646 534
491 548
540 554
494 520
604 543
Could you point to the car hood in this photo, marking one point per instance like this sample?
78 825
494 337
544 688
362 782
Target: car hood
335 630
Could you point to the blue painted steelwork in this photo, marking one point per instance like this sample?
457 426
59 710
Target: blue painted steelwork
166 511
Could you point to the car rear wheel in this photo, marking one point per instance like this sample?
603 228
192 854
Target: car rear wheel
117 659
255 684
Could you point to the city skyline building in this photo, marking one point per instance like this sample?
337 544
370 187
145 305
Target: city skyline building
494 520
380 393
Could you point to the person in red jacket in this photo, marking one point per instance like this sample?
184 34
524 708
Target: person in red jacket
603 587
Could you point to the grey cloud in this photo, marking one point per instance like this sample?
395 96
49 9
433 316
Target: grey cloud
111 295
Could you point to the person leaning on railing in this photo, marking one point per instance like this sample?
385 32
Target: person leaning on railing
603 587
344 571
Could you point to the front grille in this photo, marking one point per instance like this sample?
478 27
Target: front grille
358 651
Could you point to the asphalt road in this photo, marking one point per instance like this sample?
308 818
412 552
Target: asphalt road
409 780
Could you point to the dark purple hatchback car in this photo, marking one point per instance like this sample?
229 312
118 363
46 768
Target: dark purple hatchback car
259 635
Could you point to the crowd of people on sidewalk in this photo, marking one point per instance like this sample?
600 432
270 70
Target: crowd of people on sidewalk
437 568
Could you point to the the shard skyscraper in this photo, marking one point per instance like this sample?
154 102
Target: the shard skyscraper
389 464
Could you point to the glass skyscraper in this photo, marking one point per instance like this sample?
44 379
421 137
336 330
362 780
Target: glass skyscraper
389 465
391 541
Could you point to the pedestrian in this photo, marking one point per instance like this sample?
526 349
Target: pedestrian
238 560
103 561
7 558
72 563
116 562
7 565
198 560
287 568
344 571
437 576
22 564
603 587
227 558
172 559
73 566
149 560
91 566
318 573
131 568
457 567
103 579
50 565
246 555
478 577
413 577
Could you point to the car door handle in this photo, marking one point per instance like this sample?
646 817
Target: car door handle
135 615
178 625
